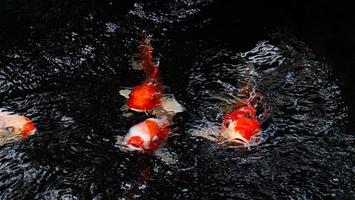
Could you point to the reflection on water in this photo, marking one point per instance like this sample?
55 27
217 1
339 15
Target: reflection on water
68 83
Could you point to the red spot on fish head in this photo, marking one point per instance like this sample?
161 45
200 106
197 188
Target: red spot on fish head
28 129
136 142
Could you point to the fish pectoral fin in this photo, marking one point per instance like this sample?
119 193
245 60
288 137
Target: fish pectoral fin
170 104
125 93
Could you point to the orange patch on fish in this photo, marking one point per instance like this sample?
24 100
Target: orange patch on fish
145 96
240 125
12 125
147 135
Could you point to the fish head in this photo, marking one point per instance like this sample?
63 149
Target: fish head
243 112
231 133
16 125
145 136
240 125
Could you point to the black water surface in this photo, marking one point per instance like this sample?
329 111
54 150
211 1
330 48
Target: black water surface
63 63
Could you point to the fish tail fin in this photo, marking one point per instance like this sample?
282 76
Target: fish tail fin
145 57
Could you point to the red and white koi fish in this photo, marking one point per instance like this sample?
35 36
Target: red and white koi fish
147 135
13 126
240 126
149 97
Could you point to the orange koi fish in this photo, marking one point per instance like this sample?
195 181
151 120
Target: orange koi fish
240 125
15 126
147 135
147 95
150 94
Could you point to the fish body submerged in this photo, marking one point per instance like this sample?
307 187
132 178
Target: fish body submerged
147 135
240 126
15 126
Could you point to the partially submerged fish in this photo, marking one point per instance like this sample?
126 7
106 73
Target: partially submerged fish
140 101
13 126
146 96
149 95
147 135
240 126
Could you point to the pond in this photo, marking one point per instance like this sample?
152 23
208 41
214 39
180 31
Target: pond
62 64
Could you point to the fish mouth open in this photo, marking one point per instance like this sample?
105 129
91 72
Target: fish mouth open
239 140
233 138
134 147
235 141
129 147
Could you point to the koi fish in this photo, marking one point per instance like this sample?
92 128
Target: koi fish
15 126
240 126
147 135
150 94
146 96
149 97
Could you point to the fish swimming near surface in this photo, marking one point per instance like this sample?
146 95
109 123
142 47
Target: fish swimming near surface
14 127
149 95
240 126
147 135
242 119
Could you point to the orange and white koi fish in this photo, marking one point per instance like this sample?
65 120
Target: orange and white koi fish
13 126
240 126
150 94
147 135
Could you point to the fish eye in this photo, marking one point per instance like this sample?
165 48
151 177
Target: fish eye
155 97
227 123
10 129
155 138
248 115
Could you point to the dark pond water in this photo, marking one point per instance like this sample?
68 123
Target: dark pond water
63 64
